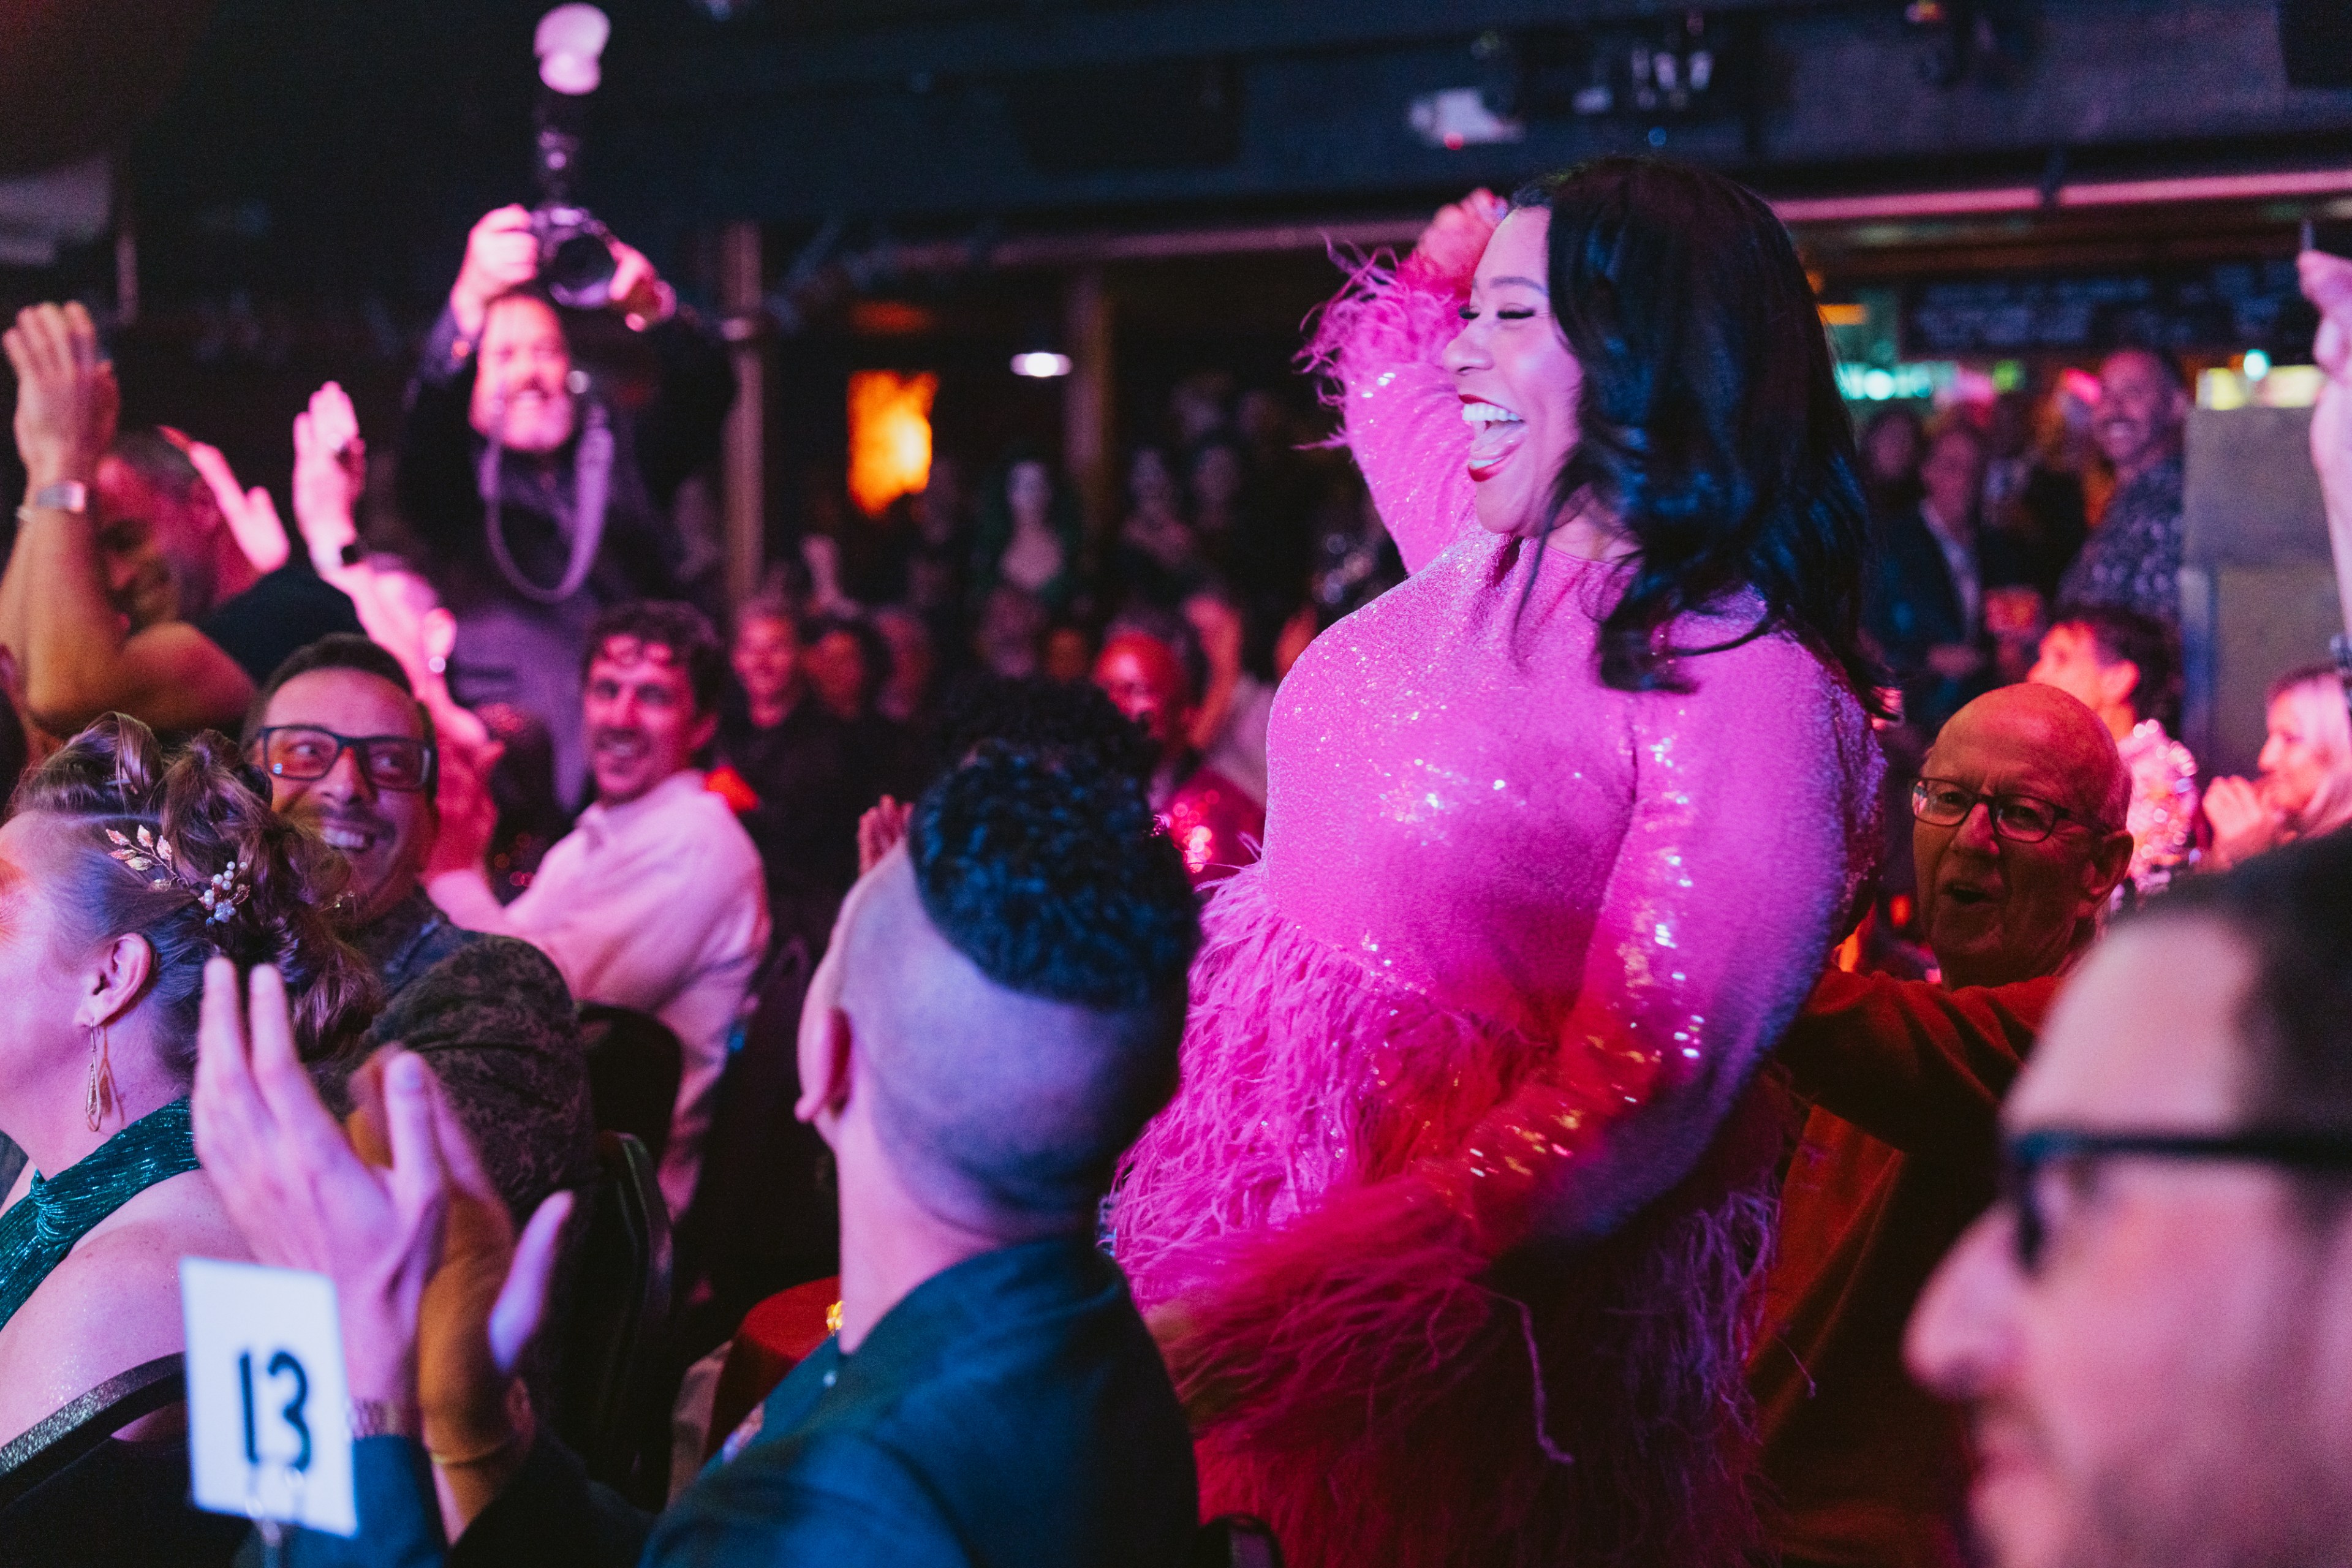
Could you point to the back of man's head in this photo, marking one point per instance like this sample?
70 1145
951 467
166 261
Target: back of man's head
2291 910
1016 983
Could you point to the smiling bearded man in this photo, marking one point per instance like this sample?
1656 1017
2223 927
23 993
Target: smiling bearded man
655 902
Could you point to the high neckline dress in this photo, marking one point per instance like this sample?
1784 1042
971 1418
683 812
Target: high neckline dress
1516 940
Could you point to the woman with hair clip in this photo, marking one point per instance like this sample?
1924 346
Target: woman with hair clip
121 871
1449 1230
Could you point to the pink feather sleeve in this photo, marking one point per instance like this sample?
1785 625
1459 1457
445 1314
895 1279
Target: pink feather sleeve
1379 338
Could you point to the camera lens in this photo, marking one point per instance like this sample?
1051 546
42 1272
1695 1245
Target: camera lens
577 270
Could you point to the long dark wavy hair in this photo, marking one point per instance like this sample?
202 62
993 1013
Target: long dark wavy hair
1711 431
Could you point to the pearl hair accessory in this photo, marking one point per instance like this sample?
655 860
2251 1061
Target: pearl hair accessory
220 894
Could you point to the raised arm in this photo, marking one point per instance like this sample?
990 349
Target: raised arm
1381 338
2328 283
79 656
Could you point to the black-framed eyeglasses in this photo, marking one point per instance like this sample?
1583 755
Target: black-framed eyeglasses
2020 819
2046 1167
303 752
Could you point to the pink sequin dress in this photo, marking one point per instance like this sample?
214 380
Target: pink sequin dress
1502 909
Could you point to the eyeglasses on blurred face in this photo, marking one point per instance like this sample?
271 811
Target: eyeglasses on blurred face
2020 819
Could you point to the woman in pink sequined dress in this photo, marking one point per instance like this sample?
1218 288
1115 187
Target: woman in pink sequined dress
1449 1230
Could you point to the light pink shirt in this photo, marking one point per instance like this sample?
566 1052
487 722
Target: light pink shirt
658 906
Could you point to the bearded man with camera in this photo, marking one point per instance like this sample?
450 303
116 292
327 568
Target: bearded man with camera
539 498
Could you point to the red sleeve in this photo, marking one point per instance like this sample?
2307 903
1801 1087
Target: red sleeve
1911 1063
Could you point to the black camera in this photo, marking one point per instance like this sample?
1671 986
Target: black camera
576 253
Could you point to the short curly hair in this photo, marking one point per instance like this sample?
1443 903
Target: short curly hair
214 810
1046 717
686 632
1052 877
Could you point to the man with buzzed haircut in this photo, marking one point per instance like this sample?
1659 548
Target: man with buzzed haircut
997 1018
2019 835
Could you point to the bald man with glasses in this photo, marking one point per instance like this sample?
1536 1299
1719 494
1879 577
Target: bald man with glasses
2152 1331
2019 839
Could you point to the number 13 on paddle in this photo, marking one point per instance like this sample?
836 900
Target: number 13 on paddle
269 1433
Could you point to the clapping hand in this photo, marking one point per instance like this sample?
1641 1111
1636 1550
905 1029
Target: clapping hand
67 399
401 1240
330 471
300 1194
251 514
2244 821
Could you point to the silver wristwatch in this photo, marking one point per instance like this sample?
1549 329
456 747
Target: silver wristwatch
65 495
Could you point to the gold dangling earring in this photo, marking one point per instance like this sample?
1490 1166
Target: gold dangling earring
101 1078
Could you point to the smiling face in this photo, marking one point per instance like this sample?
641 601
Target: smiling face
1517 379
2140 411
765 657
522 376
641 720
1994 910
385 834
155 545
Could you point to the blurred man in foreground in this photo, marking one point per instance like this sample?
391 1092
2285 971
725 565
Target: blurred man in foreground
2150 1329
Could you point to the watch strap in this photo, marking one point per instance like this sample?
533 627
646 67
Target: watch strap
65 495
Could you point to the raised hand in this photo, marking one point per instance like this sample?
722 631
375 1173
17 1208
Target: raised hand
1449 248
2327 283
300 1193
251 514
485 1302
2244 821
501 253
638 291
881 829
330 471
67 399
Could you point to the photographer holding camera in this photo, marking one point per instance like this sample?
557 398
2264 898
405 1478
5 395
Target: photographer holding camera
539 500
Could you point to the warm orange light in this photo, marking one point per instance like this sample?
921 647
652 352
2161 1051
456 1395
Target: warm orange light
889 436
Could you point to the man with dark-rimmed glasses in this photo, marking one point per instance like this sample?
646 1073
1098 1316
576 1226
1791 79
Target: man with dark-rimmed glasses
2153 1329
2018 835
350 754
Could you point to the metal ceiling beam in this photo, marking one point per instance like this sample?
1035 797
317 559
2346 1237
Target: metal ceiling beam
1070 37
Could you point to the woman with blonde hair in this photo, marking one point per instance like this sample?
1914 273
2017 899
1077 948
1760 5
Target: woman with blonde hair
2306 787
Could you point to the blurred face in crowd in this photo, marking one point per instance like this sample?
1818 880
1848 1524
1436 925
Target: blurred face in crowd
2164 1384
764 656
1029 492
1145 681
384 833
910 659
1892 448
522 376
2302 752
1954 477
155 545
641 719
1068 654
1517 379
1149 482
2070 661
1996 910
1216 478
835 665
2140 411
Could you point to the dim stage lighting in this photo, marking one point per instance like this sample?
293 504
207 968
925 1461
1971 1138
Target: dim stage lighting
1041 366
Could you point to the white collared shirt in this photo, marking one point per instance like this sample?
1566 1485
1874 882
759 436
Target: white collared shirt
658 906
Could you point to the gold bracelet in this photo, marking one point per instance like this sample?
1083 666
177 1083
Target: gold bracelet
454 1462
